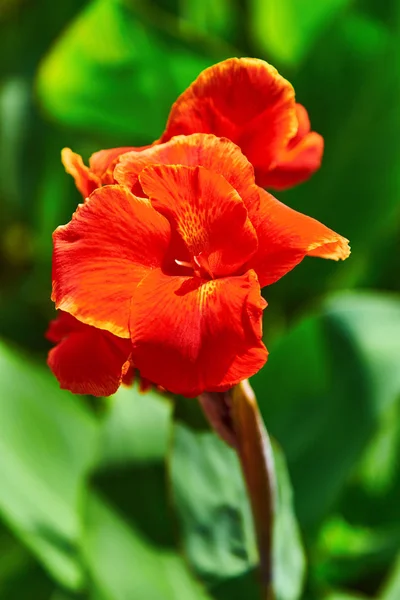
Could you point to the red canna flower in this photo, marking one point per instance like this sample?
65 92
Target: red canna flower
247 101
170 261
244 100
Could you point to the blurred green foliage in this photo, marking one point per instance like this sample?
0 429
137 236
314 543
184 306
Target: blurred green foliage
133 498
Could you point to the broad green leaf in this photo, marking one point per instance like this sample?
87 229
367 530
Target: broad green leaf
62 595
344 596
111 73
212 505
366 537
46 443
125 564
215 520
343 374
14 103
289 560
19 572
216 17
128 541
352 73
347 552
391 589
286 29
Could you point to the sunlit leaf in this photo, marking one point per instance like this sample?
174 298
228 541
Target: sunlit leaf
286 29
128 539
46 442
391 589
214 515
111 73
289 560
212 505
346 552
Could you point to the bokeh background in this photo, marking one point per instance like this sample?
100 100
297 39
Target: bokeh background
132 497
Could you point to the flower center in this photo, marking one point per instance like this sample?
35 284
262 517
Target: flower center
199 266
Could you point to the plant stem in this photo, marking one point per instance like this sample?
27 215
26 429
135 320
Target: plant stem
236 418
256 459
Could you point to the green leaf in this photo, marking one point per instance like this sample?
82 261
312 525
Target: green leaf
212 505
19 572
370 535
342 361
351 94
344 596
391 589
215 520
289 560
215 17
46 442
128 541
111 73
347 552
287 29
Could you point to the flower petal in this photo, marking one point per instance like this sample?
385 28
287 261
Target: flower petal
216 154
206 211
245 100
85 180
300 159
102 163
286 236
190 335
100 256
87 360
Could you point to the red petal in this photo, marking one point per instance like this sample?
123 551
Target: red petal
216 154
85 180
101 160
245 100
191 335
87 360
299 160
102 163
206 211
286 236
110 244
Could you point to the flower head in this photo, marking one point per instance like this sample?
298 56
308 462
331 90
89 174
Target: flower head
170 261
247 101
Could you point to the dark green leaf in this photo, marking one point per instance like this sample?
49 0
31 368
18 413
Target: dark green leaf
344 596
20 572
352 99
342 361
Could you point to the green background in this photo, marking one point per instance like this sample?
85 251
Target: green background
132 497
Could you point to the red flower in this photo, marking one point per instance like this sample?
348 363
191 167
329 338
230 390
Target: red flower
244 100
247 101
176 275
